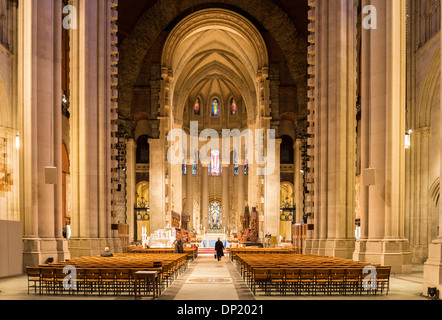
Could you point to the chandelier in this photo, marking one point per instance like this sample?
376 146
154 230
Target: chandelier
288 209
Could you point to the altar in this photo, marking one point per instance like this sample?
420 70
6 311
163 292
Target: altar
210 240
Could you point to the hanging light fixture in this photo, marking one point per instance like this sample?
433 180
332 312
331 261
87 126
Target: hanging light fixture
17 141
408 139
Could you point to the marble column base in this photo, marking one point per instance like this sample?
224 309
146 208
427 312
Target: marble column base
340 248
419 253
315 246
36 251
388 252
86 247
433 267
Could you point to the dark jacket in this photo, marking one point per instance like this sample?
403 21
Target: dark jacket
179 248
219 248
107 255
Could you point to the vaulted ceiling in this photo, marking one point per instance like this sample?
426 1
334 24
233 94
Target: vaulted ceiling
216 57
131 11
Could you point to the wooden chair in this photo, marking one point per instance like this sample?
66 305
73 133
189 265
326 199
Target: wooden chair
34 280
337 281
107 280
353 280
276 279
47 280
80 280
383 279
123 281
307 280
59 279
260 278
292 281
92 281
322 281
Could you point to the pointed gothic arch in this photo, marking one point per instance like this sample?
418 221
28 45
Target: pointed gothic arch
165 12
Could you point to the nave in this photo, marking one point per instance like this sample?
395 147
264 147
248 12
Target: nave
209 280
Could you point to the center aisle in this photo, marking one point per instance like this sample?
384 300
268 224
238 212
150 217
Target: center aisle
208 279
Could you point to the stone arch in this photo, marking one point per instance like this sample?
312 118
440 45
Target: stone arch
164 12
197 43
222 19
198 77
142 189
288 189
429 89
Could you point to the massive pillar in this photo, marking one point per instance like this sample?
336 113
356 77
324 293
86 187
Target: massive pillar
241 201
383 143
226 197
433 266
131 159
175 174
157 185
253 190
272 195
298 183
189 199
39 89
333 128
92 113
205 197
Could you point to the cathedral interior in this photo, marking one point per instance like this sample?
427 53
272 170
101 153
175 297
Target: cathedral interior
344 94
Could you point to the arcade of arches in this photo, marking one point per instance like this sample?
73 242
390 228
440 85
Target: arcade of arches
86 115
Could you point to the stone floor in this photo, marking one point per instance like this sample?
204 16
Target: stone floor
208 279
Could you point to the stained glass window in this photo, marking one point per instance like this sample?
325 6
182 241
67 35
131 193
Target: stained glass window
246 168
194 169
197 107
215 107
235 164
215 215
233 107
215 166
184 169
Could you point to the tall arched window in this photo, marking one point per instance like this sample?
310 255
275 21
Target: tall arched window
287 152
197 107
233 107
215 164
215 107
143 156
235 164
215 215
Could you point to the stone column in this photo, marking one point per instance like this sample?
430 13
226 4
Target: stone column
241 201
272 196
418 207
189 198
334 129
157 186
39 59
176 177
383 102
226 197
253 190
433 266
91 130
205 197
298 183
131 159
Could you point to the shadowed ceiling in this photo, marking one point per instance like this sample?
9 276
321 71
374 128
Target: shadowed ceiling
130 11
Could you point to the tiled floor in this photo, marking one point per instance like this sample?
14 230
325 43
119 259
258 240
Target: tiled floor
208 279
